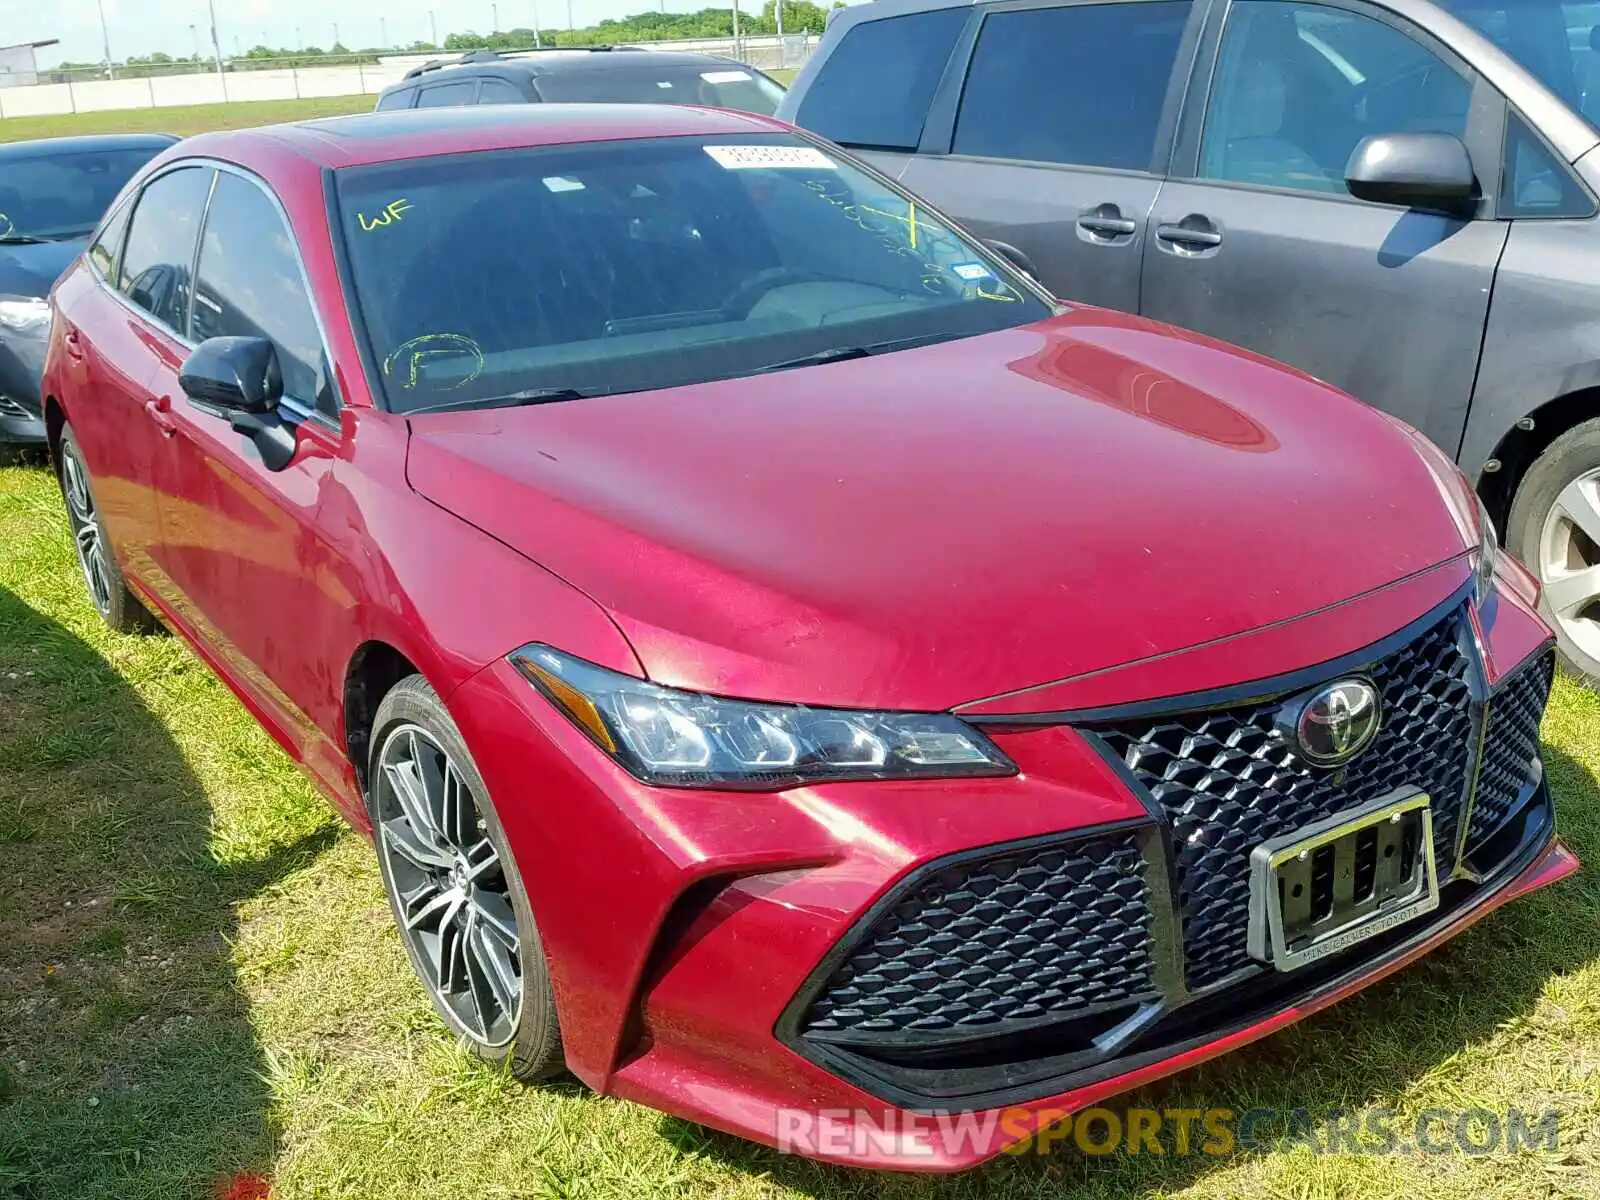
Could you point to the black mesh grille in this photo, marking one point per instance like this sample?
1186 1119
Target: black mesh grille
1509 746
1228 781
1014 939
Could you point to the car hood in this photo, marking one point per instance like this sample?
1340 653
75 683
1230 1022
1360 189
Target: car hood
935 526
32 270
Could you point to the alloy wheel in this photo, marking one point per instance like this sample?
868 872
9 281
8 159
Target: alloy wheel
1569 562
450 886
86 536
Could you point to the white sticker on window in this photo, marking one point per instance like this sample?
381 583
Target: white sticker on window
663 83
725 76
972 271
560 183
743 158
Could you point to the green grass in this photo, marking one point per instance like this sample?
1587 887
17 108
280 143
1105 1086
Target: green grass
199 977
184 121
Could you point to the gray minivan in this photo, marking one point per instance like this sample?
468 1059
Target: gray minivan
1397 196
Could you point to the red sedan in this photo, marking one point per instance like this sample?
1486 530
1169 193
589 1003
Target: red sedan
795 673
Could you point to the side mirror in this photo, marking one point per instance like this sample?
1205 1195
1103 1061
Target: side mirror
1414 170
1012 255
233 375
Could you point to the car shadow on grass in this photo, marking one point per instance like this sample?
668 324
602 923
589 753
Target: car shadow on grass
128 1065
1371 1051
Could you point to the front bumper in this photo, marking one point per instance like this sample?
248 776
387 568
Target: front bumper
21 365
695 937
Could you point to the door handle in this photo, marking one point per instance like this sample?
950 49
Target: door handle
1105 222
160 410
73 344
1197 233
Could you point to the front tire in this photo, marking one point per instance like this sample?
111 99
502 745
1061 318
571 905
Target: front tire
1555 529
108 588
455 889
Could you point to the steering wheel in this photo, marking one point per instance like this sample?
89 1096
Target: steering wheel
746 296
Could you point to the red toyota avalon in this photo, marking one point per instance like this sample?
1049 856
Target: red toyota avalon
795 673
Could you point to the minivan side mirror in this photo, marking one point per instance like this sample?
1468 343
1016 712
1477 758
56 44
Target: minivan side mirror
1430 171
233 375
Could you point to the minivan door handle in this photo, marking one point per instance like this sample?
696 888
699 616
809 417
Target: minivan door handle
1105 223
1192 234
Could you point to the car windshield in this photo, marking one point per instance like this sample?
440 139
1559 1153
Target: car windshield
639 82
1557 40
633 265
64 195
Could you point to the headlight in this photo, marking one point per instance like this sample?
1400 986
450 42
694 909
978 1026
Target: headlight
686 739
1488 553
29 314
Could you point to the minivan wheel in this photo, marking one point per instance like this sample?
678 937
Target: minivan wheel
108 589
1555 529
454 887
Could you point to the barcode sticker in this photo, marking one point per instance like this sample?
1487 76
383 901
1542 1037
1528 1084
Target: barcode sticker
745 158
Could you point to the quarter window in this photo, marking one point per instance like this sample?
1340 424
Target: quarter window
1300 85
157 262
447 95
103 253
394 100
1535 182
250 285
875 88
1084 84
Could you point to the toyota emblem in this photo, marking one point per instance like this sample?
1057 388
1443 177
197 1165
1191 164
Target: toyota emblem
1333 724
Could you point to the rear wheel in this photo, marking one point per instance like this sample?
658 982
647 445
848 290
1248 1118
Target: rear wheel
108 589
1555 529
455 889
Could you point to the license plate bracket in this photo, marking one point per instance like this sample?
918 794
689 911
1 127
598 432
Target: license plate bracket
1339 881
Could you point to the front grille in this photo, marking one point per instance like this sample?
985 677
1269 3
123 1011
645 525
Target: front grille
1509 746
1228 781
1012 939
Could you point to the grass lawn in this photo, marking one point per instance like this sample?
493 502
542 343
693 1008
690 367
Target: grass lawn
199 980
201 117
184 121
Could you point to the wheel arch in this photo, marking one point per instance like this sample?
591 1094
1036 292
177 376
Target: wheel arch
374 668
55 420
1521 445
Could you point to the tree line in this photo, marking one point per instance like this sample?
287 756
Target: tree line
799 16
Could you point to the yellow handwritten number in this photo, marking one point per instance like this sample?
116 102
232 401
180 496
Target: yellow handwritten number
391 215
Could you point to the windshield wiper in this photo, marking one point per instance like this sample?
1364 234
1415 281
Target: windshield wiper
511 400
835 354
23 239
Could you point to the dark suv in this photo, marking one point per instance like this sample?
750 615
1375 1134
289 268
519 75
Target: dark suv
603 74
1396 196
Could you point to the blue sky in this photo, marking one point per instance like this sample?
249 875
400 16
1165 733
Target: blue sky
144 26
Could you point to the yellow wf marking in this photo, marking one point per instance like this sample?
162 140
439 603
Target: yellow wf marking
389 216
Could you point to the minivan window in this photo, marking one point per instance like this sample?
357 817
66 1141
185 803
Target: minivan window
157 261
399 99
875 88
634 265
1300 85
1083 84
249 285
1556 40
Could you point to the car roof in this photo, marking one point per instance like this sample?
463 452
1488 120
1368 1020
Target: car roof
365 138
49 147
567 60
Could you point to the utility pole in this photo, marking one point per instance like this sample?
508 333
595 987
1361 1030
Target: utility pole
105 34
570 25
494 25
216 46
194 36
538 38
736 39
433 20
777 12
336 33
383 31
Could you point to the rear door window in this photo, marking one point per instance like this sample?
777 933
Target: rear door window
498 91
159 258
446 95
400 99
875 88
1082 84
